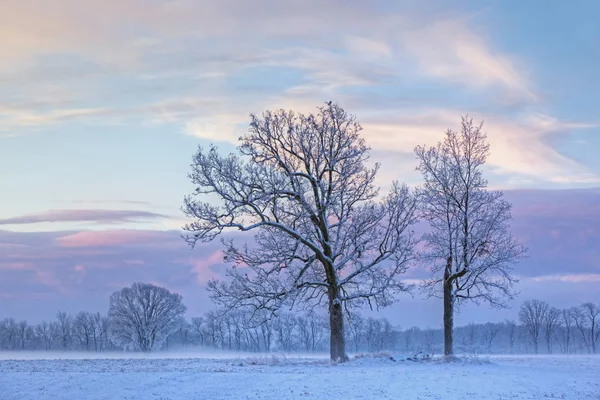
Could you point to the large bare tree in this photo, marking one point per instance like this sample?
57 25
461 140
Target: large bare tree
144 314
469 247
323 234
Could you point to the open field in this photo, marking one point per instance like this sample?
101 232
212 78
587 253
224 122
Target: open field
277 377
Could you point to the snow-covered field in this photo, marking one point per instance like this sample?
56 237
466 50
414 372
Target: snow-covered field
278 378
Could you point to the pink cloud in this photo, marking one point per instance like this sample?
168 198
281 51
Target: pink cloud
47 278
201 267
108 238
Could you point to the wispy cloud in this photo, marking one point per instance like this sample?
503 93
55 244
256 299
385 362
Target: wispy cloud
449 49
97 216
204 66
518 146
572 278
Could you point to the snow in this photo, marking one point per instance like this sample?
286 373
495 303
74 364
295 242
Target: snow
279 377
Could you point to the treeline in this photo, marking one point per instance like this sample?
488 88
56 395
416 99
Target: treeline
566 331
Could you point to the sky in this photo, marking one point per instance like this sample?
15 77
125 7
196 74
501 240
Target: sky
103 103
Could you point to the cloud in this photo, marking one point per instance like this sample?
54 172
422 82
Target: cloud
450 50
572 278
189 68
204 268
25 117
122 237
81 268
518 147
97 216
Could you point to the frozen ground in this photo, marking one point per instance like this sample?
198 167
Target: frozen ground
279 378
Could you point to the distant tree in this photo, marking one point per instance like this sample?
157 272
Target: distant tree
10 333
532 316
567 319
198 329
64 331
411 338
587 321
83 329
490 331
285 327
95 321
470 337
511 331
104 338
551 324
469 246
323 235
25 334
144 314
183 331
356 330
44 331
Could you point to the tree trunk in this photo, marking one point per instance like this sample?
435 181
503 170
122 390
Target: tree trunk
448 319
337 344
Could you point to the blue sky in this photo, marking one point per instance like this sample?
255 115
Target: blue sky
102 105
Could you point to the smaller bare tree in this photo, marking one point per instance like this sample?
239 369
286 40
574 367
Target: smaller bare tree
144 314
469 246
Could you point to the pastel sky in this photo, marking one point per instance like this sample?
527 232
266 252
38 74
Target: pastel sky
103 103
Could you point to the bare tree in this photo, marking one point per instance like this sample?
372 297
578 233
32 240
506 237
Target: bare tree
105 343
511 330
198 327
587 321
83 329
95 321
469 338
356 327
469 245
532 316
567 321
322 234
25 334
44 331
64 331
10 330
214 328
285 327
490 331
144 314
551 324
